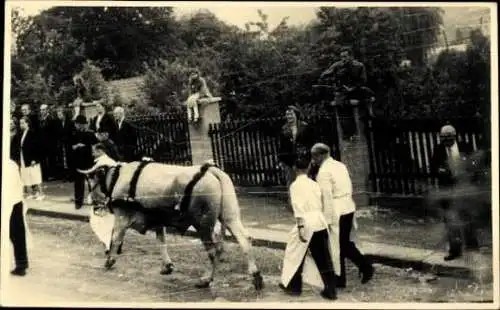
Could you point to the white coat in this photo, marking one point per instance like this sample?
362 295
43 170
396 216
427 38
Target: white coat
12 193
305 196
336 190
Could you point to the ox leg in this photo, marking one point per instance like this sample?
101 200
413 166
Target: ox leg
122 222
219 246
209 239
168 266
239 232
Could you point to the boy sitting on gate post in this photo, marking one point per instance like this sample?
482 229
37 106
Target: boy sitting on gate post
198 89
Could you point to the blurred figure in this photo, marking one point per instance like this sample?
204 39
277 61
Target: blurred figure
126 136
448 166
197 87
81 145
27 156
339 208
17 215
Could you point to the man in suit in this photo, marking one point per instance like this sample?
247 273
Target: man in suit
26 111
107 145
63 131
81 145
126 136
446 165
48 152
339 207
103 122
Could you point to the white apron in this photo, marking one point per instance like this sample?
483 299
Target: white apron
102 223
296 250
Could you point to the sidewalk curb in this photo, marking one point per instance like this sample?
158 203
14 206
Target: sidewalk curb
398 262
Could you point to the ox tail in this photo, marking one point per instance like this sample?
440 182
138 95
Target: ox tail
230 210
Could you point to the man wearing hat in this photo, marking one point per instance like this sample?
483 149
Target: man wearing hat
81 145
447 165
339 207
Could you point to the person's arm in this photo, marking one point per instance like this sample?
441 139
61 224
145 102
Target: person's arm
362 78
298 202
328 72
325 184
204 88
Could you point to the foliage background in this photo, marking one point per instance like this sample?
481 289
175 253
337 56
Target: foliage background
258 70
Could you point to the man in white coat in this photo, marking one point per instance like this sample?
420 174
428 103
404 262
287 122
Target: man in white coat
339 207
15 211
311 233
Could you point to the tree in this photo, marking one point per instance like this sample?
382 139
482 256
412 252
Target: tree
121 39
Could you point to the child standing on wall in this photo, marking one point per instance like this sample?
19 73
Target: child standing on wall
198 89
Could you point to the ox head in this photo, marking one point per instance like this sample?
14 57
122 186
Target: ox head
97 177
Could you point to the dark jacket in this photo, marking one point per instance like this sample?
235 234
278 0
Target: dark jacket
63 130
348 74
440 160
107 124
82 157
30 149
288 148
126 141
112 150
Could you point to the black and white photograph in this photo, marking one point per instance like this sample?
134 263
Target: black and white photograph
250 154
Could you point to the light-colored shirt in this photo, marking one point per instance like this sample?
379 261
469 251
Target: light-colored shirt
336 189
305 196
98 121
453 151
16 187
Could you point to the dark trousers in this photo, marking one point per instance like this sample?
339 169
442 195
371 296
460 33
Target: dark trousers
79 182
18 236
348 248
460 227
319 247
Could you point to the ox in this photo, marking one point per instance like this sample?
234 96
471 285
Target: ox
207 196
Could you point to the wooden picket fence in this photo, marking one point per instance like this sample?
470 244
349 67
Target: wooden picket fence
248 149
164 137
400 152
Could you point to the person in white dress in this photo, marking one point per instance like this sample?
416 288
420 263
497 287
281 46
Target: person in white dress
339 208
28 158
310 234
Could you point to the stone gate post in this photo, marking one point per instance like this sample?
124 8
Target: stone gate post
201 146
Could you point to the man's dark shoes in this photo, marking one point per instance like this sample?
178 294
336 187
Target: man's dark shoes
328 295
78 207
452 256
288 291
18 272
367 274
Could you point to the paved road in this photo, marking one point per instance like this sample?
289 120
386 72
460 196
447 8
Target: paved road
67 260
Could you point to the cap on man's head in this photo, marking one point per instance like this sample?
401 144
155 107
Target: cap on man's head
320 149
80 119
447 130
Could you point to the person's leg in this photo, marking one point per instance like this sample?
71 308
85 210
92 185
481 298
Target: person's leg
18 239
189 113
295 285
319 247
349 250
196 114
79 189
454 229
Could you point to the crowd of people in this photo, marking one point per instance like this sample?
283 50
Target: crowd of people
49 146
